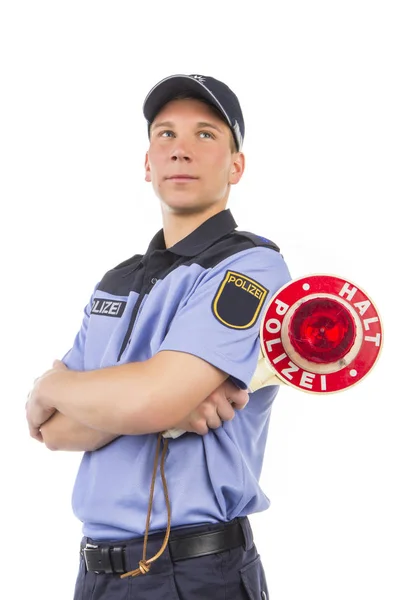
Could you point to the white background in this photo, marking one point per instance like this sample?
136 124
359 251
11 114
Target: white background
319 86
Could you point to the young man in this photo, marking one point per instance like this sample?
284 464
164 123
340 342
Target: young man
163 332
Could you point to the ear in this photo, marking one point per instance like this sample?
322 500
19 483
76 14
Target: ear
147 176
237 168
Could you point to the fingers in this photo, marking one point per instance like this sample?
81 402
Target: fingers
224 409
35 433
37 436
205 417
228 398
219 407
197 425
214 420
238 397
58 364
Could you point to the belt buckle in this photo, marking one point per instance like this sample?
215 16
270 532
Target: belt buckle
101 559
86 554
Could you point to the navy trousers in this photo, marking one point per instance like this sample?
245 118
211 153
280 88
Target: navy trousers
235 574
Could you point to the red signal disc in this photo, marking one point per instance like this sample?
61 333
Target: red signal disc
321 333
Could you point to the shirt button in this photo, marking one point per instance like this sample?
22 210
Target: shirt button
154 280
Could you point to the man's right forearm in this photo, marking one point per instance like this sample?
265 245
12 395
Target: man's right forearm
62 433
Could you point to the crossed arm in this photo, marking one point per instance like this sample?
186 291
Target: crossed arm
74 410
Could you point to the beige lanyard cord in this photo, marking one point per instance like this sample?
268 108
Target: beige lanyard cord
145 563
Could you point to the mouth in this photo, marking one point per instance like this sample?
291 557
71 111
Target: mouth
181 178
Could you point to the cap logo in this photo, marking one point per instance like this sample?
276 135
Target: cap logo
199 78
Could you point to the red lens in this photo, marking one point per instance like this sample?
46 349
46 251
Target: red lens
322 330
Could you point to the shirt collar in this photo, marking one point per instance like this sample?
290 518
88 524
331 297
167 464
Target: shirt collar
200 239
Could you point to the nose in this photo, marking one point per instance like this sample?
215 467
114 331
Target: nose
181 153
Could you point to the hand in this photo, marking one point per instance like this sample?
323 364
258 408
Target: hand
218 407
37 410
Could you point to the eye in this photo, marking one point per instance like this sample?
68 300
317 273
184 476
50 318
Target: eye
166 133
207 135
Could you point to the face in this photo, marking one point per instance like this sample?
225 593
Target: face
190 162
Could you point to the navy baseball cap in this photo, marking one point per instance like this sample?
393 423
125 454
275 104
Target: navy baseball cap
211 90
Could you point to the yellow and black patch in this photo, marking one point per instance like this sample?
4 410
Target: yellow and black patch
238 301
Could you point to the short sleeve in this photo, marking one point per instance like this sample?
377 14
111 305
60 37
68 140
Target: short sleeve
74 358
220 319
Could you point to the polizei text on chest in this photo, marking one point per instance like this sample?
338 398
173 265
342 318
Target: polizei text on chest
108 308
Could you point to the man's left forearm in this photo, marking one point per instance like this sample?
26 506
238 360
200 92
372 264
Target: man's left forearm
134 398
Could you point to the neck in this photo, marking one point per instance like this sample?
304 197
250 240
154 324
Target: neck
179 225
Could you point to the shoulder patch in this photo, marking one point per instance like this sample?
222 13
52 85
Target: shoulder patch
238 300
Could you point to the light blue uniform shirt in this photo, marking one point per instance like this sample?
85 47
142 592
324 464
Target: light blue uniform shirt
204 296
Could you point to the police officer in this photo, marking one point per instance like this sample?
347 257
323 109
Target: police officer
167 517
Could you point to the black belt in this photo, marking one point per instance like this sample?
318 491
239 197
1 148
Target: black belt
107 558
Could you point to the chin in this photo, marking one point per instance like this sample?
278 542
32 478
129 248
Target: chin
186 205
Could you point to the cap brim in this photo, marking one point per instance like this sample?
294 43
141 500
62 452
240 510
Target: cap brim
170 87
